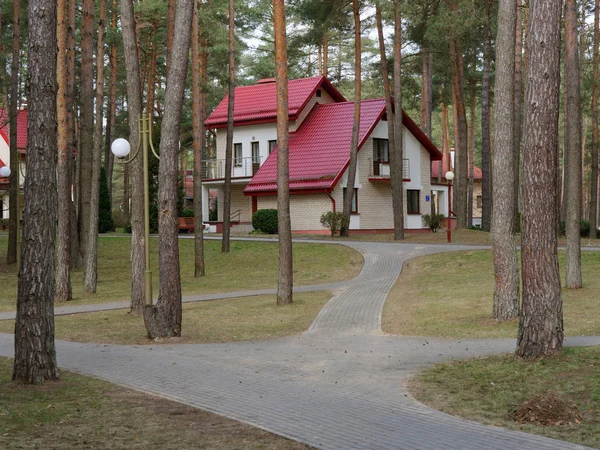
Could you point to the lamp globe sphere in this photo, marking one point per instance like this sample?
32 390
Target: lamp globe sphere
120 148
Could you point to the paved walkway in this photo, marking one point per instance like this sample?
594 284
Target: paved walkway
337 386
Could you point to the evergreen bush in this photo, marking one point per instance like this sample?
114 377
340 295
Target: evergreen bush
333 221
265 221
433 221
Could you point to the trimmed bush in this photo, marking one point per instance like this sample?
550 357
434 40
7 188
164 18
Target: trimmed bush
265 221
187 213
433 221
333 221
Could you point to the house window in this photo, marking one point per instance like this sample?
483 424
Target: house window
272 145
354 208
412 201
479 202
381 151
237 152
318 92
255 152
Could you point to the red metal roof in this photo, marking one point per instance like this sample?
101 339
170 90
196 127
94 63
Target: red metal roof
477 174
320 149
21 128
258 103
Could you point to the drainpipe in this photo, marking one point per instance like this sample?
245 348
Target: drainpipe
332 200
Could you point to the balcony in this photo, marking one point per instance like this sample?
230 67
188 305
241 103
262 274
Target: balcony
380 169
214 169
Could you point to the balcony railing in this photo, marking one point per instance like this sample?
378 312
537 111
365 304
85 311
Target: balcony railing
214 169
381 169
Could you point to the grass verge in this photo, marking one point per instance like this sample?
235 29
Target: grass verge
249 265
235 319
489 390
451 295
83 412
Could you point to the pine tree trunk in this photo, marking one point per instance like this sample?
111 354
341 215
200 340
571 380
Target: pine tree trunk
445 142
325 55
461 140
471 157
351 172
86 123
506 287
76 257
170 30
91 256
486 155
518 101
286 274
112 102
164 320
136 167
35 353
573 147
541 322
229 144
198 108
63 248
14 184
151 92
426 89
595 143
396 152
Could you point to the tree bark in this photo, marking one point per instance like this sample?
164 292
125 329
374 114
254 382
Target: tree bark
286 275
199 136
136 167
471 157
325 54
426 89
109 158
229 144
86 124
486 155
506 286
76 257
397 185
14 183
170 30
396 152
573 147
35 353
518 101
460 144
164 320
63 248
351 173
541 322
595 81
91 255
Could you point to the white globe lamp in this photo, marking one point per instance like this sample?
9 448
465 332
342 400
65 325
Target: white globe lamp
120 148
5 171
449 175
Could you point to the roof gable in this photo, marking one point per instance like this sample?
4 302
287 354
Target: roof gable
258 102
477 173
320 149
22 116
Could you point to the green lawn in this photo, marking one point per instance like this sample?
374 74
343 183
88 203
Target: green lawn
489 390
249 265
234 319
83 412
451 295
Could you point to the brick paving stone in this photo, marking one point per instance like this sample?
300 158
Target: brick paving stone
337 386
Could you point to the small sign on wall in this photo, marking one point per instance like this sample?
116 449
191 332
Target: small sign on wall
427 198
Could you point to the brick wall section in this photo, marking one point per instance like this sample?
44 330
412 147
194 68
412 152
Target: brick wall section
306 210
238 201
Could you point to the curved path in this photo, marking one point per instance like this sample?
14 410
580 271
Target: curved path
337 386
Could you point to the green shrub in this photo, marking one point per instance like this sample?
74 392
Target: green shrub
265 221
433 221
187 213
584 229
333 221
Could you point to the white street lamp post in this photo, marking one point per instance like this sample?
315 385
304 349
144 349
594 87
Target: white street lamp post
449 178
